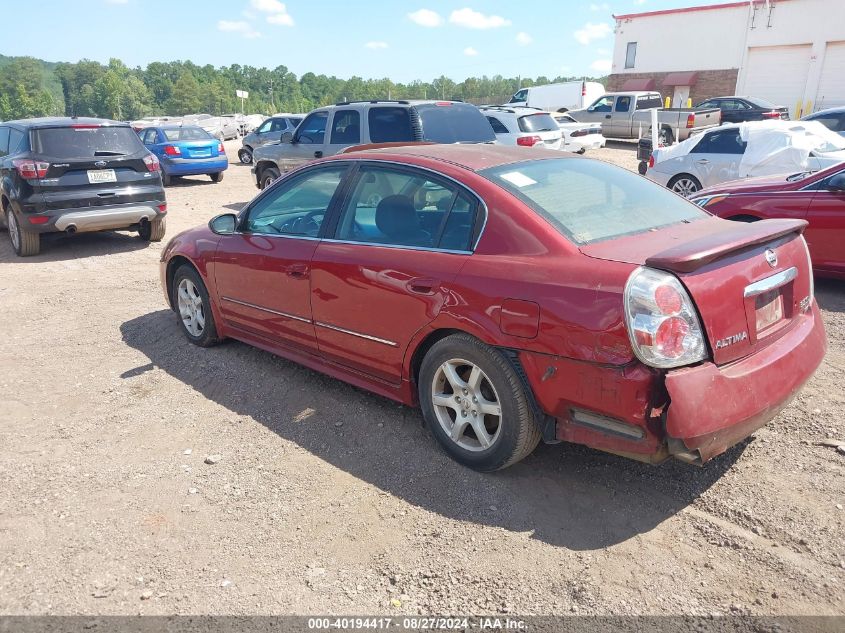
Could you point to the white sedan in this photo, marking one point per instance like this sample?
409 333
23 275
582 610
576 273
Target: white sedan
578 137
743 150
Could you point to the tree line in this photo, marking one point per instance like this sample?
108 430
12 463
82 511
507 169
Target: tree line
31 87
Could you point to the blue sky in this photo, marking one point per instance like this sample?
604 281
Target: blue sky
399 39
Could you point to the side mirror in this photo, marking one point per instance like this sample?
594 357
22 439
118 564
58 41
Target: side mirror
224 224
837 182
287 137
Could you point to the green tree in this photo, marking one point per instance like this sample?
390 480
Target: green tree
185 97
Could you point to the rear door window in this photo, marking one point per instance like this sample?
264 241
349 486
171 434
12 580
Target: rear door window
85 142
389 125
4 141
498 126
16 138
346 127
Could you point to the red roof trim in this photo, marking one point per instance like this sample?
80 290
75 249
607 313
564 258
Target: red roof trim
647 14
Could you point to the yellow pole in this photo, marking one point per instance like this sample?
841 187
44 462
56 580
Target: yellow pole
668 103
798 110
809 107
689 102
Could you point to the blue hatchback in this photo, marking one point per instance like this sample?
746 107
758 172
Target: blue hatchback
185 151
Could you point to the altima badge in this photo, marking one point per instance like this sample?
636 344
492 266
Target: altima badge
771 257
730 340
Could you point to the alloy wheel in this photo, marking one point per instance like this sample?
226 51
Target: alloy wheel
466 405
14 231
685 187
190 306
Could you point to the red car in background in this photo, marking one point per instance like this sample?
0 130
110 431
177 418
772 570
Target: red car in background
514 295
818 198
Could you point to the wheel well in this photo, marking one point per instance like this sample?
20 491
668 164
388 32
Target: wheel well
677 177
261 166
246 146
562 110
172 267
422 349
4 203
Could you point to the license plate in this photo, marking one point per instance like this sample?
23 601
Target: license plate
769 309
96 176
201 153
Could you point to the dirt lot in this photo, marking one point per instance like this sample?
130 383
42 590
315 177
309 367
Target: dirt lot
326 499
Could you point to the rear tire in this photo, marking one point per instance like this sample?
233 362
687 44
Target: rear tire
24 243
268 176
245 156
684 185
193 307
153 231
475 404
217 177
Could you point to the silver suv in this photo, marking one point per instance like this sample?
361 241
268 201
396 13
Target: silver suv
327 131
268 132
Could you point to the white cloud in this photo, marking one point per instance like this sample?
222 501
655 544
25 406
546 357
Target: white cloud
375 45
602 65
474 20
426 17
600 7
469 51
590 32
523 39
249 15
243 28
278 12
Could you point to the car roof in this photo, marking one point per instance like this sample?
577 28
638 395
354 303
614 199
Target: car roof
839 110
471 156
178 127
65 121
517 110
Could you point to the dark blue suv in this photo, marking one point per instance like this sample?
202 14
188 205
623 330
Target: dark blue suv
76 175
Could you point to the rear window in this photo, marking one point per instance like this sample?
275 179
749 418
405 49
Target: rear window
541 122
187 134
85 142
455 123
762 103
589 201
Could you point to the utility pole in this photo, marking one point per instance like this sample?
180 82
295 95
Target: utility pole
272 100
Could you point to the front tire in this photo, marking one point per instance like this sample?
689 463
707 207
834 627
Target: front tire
24 243
684 185
245 156
193 307
269 176
475 404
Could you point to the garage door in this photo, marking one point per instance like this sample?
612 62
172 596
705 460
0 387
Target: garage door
832 83
777 73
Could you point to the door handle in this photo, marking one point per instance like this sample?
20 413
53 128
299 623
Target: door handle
318 154
297 271
607 116
702 161
423 285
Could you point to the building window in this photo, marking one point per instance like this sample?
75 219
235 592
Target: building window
631 55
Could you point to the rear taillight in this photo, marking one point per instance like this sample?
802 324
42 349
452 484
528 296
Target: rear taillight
31 169
774 114
172 150
810 270
163 208
690 121
662 322
152 163
651 161
528 141
221 149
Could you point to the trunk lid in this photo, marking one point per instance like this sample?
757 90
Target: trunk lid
748 281
198 149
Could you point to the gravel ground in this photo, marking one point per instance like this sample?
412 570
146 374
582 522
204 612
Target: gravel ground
322 498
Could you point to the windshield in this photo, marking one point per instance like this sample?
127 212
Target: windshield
85 141
187 134
454 123
541 122
589 201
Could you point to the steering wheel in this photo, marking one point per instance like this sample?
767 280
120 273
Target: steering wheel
304 225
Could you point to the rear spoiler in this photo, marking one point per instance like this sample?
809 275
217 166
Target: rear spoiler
692 255
365 147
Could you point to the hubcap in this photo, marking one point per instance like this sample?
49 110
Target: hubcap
190 307
466 405
685 187
13 231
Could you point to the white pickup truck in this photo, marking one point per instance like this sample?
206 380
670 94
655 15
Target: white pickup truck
626 115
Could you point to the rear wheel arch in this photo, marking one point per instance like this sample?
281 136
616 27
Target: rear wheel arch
172 266
422 348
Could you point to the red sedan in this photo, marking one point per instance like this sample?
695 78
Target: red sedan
514 295
818 198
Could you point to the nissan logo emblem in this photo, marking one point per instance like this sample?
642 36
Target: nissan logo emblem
771 257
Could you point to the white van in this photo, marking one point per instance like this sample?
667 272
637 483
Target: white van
572 95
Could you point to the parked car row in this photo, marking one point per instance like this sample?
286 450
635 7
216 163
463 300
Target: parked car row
224 127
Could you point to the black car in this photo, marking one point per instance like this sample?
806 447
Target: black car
76 175
739 109
832 118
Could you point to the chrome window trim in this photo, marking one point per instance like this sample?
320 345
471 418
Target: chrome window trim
399 246
263 309
329 326
770 283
